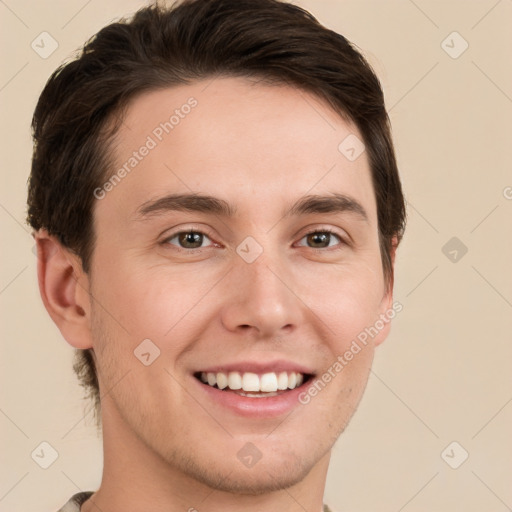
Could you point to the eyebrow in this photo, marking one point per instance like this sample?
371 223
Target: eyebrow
333 203
310 204
186 202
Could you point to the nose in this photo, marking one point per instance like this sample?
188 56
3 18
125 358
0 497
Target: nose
260 298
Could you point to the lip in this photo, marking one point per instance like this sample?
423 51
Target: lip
279 365
266 407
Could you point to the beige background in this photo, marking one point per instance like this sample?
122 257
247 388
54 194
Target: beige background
443 375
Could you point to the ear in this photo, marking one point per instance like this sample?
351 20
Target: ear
387 299
64 289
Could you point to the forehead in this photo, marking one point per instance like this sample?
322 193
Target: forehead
237 140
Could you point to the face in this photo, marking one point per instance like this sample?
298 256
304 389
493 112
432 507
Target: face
241 247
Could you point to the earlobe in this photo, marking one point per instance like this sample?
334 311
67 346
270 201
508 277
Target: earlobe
64 289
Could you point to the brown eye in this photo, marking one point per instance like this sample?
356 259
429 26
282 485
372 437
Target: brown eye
188 239
321 240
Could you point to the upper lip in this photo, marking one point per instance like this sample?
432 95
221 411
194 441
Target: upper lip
260 367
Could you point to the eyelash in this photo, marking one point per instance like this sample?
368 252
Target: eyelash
166 241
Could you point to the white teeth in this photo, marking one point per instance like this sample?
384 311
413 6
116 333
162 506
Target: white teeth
268 382
282 381
252 382
222 380
234 380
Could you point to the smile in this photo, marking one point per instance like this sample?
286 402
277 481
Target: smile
254 389
252 384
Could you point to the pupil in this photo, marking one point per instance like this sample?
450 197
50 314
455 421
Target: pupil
191 240
319 239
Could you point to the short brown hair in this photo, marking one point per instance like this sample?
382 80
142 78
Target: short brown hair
80 108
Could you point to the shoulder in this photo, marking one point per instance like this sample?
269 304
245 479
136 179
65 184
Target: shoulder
74 503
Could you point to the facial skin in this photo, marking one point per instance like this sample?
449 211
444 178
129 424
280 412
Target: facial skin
260 148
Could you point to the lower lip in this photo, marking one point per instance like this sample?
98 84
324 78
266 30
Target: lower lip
265 407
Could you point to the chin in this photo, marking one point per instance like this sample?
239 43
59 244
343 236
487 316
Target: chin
255 481
264 477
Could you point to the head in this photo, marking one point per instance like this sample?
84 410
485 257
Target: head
251 103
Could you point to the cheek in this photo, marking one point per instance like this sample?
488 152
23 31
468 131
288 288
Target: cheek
351 315
153 304
347 299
